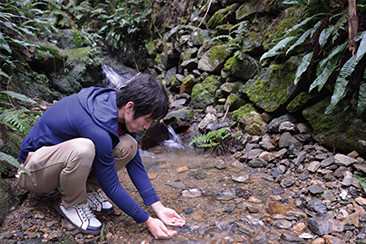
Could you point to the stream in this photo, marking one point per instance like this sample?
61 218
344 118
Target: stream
221 199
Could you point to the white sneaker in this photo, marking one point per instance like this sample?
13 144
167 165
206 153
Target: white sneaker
81 217
98 203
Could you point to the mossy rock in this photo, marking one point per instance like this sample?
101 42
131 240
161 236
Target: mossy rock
244 68
250 120
203 94
234 101
246 9
187 84
214 59
274 87
222 16
339 130
243 110
182 117
289 18
299 102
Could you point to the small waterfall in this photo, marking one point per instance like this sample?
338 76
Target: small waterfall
174 141
115 78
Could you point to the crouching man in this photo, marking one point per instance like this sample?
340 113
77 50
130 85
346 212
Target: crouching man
81 142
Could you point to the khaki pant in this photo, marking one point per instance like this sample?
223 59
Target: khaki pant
69 165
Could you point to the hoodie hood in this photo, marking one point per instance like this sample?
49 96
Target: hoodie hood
100 103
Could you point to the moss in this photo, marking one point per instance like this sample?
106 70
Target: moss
274 87
230 62
150 47
203 94
77 53
244 110
221 16
200 37
158 59
298 102
219 52
324 123
290 18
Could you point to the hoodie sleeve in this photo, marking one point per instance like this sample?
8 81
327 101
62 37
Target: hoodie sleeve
106 174
140 178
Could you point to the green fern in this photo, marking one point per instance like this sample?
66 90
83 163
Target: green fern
211 139
346 71
19 120
11 160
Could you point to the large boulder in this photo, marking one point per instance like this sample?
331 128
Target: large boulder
203 94
214 59
338 130
274 87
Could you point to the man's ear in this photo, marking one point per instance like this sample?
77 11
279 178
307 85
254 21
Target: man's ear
130 107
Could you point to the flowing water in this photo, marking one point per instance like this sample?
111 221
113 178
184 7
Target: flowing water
222 200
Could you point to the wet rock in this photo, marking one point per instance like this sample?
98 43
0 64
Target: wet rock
283 224
242 227
257 163
288 181
176 184
323 226
241 178
290 237
243 193
225 195
344 160
316 205
274 125
287 140
192 193
314 166
287 126
316 189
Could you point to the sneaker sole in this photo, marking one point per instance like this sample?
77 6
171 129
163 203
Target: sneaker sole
91 232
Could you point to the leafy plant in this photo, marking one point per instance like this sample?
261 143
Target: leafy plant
325 30
20 23
214 139
122 23
19 120
362 182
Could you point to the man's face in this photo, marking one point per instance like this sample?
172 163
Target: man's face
125 116
138 124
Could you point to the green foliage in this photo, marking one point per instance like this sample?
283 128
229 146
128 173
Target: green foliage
329 54
362 182
123 24
213 139
11 160
20 120
20 23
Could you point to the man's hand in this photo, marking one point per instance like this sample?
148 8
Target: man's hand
167 215
158 229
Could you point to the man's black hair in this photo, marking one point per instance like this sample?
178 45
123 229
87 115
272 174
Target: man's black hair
147 94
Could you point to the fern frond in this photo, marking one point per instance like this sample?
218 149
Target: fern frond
361 103
324 35
299 41
13 120
222 37
303 66
18 96
11 160
346 71
274 51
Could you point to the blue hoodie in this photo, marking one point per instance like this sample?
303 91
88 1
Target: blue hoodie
92 113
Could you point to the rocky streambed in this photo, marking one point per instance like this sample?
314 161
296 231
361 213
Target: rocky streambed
267 190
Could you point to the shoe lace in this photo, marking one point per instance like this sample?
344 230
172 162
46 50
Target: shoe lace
96 197
85 211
